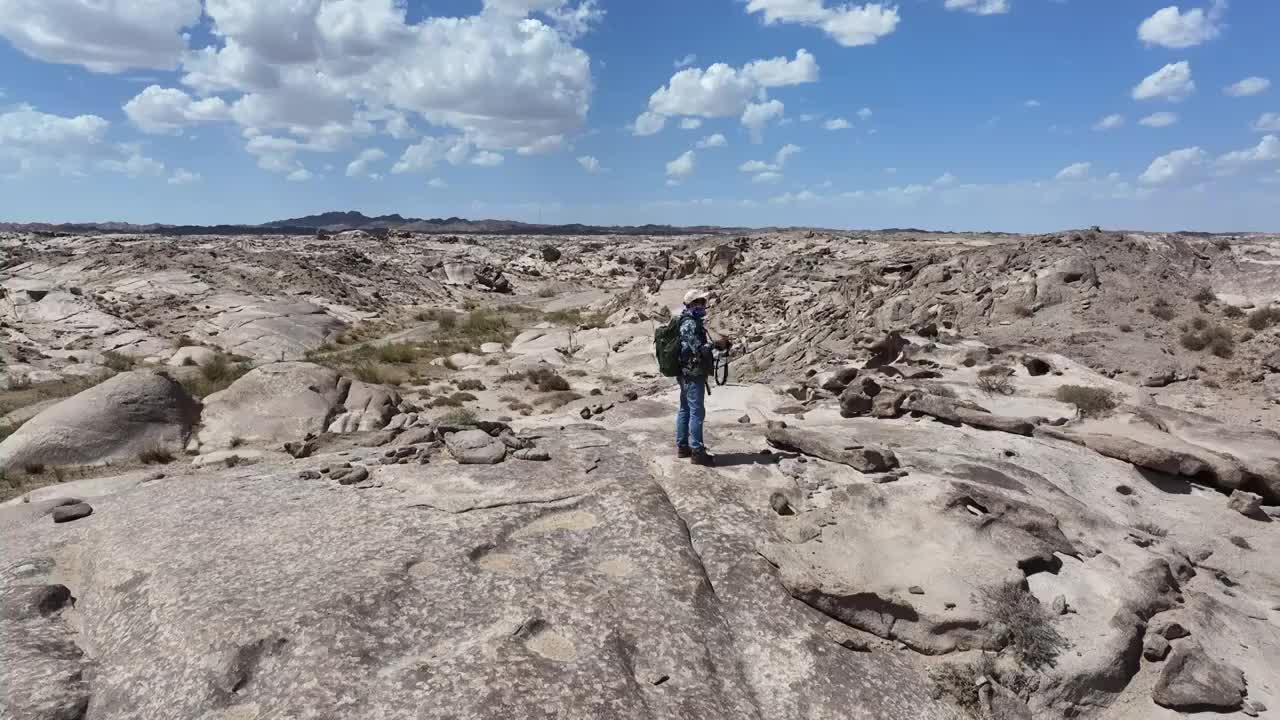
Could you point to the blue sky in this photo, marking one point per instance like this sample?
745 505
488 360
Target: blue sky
1019 115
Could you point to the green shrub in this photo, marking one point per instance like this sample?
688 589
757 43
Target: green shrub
558 399
958 682
469 384
1163 310
1031 627
1216 338
215 376
397 353
546 380
1232 312
371 372
7 429
155 455
1263 318
118 362
1091 402
459 416
996 384
1152 529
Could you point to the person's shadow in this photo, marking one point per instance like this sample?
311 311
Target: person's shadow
738 459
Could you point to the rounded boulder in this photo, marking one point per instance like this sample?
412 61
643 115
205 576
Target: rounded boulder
118 418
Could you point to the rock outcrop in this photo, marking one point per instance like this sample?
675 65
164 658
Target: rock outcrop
116 419
272 405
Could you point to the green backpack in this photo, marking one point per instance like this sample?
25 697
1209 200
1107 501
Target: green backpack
666 345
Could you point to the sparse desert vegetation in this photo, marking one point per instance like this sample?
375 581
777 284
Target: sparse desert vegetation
1089 401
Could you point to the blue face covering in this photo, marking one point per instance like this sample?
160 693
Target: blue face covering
698 312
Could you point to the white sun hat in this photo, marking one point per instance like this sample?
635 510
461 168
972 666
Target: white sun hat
695 295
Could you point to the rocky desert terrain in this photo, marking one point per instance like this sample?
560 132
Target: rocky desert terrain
411 475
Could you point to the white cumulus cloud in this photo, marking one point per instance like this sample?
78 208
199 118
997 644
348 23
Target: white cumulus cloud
681 167
686 61
487 159
769 176
849 25
1267 150
1171 28
1076 171
837 124
1267 122
979 7
106 37
690 123
184 177
33 141
864 113
1172 82
437 183
136 165
1110 122
590 164
1248 87
1173 166
712 141
758 115
360 166
1159 120
166 110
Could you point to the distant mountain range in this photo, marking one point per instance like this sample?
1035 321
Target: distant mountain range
351 220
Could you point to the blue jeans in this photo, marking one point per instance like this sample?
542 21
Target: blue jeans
693 410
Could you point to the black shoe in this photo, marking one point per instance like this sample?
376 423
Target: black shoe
701 457
683 452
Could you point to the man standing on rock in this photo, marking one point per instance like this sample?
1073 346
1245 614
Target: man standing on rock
695 365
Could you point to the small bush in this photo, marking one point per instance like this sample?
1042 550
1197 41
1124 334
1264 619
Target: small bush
1240 542
558 399
447 321
459 416
577 317
1199 322
218 375
1216 338
1126 328
463 397
444 401
155 455
7 429
1163 310
34 468
368 371
546 292
397 353
958 682
485 326
1232 312
469 384
118 362
546 380
1030 625
1263 318
1204 296
1023 311
996 384
1091 402
1152 529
